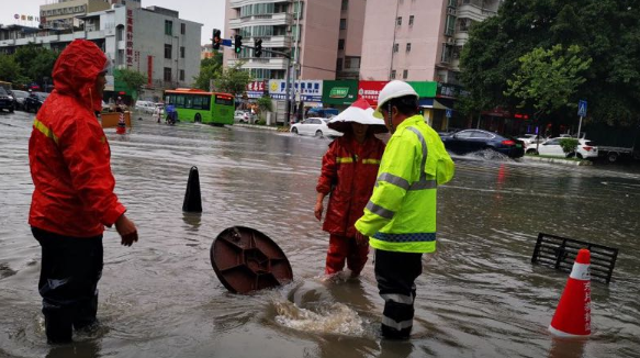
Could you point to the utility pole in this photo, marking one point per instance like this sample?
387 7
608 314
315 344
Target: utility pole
296 58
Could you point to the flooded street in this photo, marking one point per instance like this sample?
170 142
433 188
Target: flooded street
479 295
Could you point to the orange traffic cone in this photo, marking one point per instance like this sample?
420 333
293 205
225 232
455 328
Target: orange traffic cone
573 314
122 126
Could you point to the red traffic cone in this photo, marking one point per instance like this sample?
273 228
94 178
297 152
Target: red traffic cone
122 126
573 314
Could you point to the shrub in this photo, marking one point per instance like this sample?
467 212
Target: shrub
569 145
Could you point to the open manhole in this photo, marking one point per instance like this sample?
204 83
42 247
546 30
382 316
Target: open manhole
246 260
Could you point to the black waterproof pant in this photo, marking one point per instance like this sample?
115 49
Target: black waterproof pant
71 269
396 273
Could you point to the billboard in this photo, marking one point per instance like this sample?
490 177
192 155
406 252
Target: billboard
307 90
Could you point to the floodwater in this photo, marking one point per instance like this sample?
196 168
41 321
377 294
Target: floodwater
478 296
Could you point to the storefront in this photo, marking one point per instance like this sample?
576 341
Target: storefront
339 94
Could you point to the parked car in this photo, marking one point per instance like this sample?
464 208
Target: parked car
6 100
18 98
241 116
472 140
529 139
35 101
551 147
314 126
145 107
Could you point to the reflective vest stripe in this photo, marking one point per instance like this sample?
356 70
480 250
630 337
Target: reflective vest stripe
413 237
379 210
371 161
390 322
395 180
44 130
396 297
423 174
342 160
424 184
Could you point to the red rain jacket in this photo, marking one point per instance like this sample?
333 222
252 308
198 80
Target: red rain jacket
349 172
68 152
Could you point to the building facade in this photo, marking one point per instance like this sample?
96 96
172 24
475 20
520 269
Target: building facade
418 40
323 37
65 14
152 40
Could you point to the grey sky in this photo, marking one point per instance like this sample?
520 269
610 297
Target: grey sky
210 13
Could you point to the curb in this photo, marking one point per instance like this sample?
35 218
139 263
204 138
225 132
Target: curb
577 163
255 126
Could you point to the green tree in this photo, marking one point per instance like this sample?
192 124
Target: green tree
265 104
134 80
569 145
9 68
233 79
547 79
607 31
36 63
210 68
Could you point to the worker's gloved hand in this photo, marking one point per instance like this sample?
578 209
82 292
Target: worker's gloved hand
318 209
361 239
127 230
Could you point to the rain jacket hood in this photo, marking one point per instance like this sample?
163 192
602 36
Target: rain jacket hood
76 71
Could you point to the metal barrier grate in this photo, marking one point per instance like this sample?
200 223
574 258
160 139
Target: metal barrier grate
560 253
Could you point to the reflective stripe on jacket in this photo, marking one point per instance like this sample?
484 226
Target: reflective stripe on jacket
69 155
349 171
401 214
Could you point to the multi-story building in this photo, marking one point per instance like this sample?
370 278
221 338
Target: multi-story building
64 14
323 37
152 40
418 40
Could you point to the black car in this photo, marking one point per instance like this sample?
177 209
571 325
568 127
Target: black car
34 101
6 100
472 140
18 98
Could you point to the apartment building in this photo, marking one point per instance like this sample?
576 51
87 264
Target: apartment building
64 14
418 40
323 37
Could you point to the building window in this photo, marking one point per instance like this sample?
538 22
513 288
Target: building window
168 27
339 64
345 5
396 47
393 74
182 75
183 29
399 21
341 44
167 74
352 63
409 47
411 20
298 9
450 25
167 51
405 74
181 51
343 24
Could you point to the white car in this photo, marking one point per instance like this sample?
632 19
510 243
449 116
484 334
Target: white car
145 106
551 147
531 139
315 126
241 116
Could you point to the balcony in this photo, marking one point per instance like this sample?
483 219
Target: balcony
474 11
461 38
278 19
236 4
279 41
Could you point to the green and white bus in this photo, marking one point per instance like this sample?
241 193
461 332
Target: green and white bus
193 105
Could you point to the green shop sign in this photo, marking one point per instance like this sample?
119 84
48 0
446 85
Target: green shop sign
341 92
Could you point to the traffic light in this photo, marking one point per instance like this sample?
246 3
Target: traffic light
238 43
258 49
217 39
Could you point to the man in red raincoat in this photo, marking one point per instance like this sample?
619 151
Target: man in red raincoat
73 198
349 170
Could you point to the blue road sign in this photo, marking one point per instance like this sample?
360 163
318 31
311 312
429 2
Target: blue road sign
582 108
226 42
449 113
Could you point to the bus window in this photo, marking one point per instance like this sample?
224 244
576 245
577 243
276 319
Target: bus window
179 101
224 100
206 103
197 102
189 103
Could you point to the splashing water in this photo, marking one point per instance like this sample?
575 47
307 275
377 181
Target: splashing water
335 318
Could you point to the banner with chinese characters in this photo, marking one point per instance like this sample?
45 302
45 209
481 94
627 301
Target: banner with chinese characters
255 89
308 90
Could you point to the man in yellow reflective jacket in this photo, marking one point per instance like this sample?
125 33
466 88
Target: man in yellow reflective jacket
400 218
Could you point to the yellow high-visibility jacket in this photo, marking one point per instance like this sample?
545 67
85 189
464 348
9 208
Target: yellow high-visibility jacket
401 214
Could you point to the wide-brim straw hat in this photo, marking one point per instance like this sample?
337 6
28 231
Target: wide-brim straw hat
361 112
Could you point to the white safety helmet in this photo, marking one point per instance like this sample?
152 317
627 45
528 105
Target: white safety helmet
393 89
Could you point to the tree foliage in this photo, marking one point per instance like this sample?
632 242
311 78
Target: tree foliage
547 79
210 68
233 79
30 63
134 80
607 31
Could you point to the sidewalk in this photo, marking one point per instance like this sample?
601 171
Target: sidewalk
256 126
561 161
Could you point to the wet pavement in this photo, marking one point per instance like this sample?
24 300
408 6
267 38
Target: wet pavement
478 296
